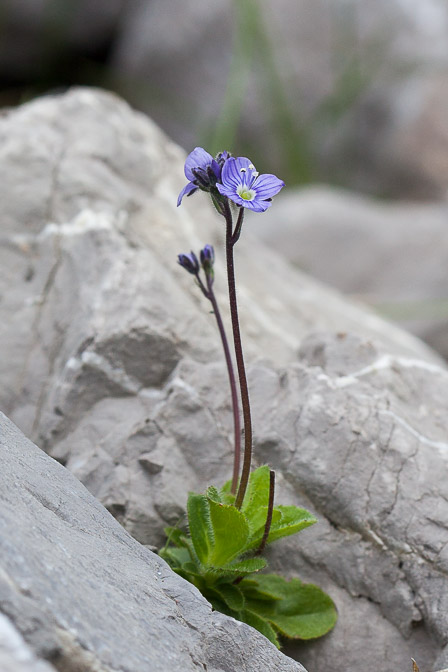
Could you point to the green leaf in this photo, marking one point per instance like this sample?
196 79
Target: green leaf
226 487
245 566
191 568
213 494
293 519
231 595
226 496
260 624
218 603
262 587
175 557
256 497
230 533
303 612
258 522
175 536
201 530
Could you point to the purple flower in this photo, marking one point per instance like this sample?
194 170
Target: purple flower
202 171
189 262
244 186
221 158
207 256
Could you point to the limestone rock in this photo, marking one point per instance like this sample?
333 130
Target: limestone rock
86 596
112 363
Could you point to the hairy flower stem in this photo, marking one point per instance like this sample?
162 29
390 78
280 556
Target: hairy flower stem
267 527
236 411
230 242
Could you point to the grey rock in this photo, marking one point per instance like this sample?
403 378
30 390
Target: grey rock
15 655
86 596
392 256
369 451
111 363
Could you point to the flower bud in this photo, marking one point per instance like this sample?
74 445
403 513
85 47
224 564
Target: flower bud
189 262
207 259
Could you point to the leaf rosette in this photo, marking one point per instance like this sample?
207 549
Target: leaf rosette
218 554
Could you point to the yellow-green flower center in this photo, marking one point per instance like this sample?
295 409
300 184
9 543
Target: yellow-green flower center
245 193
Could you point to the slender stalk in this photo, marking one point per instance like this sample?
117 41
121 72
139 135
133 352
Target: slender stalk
231 374
267 527
230 242
239 224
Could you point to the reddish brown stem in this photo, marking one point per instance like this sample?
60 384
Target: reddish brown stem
245 403
233 390
267 527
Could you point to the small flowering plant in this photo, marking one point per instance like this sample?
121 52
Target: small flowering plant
220 548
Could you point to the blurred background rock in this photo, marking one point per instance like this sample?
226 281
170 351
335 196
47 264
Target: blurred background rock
353 93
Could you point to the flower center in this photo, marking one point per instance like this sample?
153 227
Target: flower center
245 193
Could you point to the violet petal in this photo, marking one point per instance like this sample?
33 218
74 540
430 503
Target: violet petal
186 191
198 158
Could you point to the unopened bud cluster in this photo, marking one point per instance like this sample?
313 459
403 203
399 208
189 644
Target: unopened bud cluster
191 264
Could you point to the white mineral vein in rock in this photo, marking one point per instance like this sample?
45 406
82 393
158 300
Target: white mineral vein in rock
381 364
423 439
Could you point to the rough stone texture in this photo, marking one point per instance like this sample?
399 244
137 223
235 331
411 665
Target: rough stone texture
367 445
111 362
397 253
89 598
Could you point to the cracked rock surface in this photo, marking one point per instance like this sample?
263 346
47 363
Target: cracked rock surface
111 363
87 597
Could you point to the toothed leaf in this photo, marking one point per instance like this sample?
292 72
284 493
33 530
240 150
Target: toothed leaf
245 566
256 497
200 525
258 522
230 533
213 494
293 519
